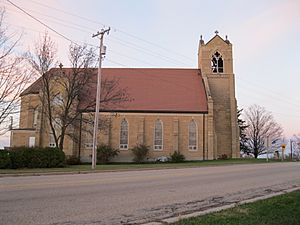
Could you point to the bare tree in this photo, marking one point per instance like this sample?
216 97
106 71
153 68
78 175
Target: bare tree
14 77
261 125
66 93
295 141
44 56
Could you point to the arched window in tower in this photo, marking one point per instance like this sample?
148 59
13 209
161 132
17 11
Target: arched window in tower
124 135
217 63
158 135
193 135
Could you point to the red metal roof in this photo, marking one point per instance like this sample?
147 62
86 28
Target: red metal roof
154 90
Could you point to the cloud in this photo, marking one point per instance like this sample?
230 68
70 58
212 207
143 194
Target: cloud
263 30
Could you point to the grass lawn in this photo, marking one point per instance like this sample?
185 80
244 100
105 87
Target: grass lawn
279 210
133 166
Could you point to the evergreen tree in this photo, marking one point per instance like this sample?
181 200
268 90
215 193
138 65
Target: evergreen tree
243 137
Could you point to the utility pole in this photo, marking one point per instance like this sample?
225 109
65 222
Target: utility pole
96 121
291 144
268 148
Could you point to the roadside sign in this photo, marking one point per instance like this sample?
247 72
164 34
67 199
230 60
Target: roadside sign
282 155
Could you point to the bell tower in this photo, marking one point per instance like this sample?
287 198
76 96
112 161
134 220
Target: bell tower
216 64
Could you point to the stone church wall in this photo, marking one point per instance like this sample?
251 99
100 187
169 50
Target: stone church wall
141 131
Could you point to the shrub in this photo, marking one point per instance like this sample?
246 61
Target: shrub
35 158
56 157
140 152
73 160
5 161
177 157
105 153
21 157
17 158
223 156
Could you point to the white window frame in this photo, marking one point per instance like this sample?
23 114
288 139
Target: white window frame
158 147
31 142
193 147
124 146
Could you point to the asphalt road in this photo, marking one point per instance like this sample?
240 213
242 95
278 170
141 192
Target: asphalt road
136 196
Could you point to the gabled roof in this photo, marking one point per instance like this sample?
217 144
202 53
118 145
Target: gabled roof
152 90
218 36
33 88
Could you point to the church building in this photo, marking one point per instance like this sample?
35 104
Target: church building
192 111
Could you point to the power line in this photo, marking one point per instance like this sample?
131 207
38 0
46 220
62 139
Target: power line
58 36
60 21
270 93
264 88
50 28
133 58
149 52
94 46
116 63
115 28
68 13
120 54
114 39
275 102
280 103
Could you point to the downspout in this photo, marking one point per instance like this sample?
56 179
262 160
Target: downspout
79 142
203 136
42 122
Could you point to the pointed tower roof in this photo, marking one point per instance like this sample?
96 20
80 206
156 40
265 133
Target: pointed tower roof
217 36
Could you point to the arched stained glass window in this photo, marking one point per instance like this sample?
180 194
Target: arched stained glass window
217 63
124 134
158 135
192 135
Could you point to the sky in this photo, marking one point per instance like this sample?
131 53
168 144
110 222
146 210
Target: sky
165 34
